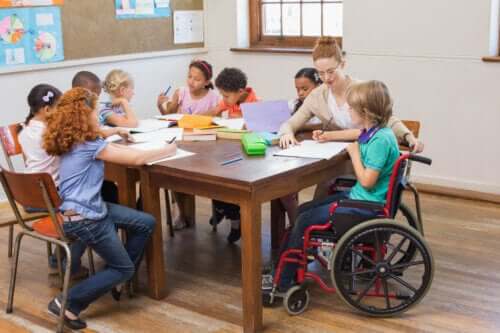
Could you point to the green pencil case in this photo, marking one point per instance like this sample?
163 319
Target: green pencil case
253 144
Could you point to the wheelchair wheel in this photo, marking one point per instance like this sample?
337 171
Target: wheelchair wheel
296 300
406 215
369 279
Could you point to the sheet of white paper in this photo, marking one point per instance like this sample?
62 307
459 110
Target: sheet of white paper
162 135
233 123
188 26
179 154
314 149
173 116
150 125
44 19
162 3
14 56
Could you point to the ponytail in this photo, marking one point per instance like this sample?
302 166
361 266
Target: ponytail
40 96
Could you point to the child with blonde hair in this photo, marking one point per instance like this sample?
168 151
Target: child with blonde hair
120 87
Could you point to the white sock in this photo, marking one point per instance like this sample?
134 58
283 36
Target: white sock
235 224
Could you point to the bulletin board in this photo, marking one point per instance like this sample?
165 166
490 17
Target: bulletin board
91 29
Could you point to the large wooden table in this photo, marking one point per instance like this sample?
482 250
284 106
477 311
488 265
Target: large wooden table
248 183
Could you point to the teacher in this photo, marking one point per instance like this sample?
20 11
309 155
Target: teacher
328 103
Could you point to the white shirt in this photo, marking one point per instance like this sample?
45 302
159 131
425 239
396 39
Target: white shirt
340 114
36 158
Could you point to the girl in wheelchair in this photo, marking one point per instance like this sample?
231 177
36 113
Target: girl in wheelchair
373 157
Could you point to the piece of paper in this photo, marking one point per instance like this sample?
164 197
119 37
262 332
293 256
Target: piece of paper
188 26
162 3
162 135
233 123
173 116
265 116
140 9
14 56
179 154
314 149
149 125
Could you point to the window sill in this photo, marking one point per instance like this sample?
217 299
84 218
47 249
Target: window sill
491 59
288 50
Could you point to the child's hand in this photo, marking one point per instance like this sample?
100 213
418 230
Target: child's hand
117 101
320 136
288 140
415 145
125 135
161 101
353 149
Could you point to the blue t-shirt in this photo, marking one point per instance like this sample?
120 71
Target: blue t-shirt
380 154
108 110
81 175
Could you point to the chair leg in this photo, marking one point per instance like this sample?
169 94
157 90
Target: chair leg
169 213
49 252
65 286
59 265
91 261
11 237
13 274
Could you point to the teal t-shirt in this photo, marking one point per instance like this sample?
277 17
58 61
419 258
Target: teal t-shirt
380 154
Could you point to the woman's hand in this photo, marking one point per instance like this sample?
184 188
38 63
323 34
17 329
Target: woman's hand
320 136
288 140
415 145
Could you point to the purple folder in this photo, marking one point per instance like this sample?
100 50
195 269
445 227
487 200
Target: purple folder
265 116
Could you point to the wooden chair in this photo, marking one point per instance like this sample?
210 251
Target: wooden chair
37 190
11 148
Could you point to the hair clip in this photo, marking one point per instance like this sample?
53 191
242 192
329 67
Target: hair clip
316 77
47 97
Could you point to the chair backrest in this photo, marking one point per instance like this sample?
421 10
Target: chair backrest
396 185
35 190
413 126
9 141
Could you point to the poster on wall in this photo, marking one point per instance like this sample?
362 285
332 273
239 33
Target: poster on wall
30 36
28 3
137 9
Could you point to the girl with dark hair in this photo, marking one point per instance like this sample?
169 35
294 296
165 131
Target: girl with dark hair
42 100
198 97
306 80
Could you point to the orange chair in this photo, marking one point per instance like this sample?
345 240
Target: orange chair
37 190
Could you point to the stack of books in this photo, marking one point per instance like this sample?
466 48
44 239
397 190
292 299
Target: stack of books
200 135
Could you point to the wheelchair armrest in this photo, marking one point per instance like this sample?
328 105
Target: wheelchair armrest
361 204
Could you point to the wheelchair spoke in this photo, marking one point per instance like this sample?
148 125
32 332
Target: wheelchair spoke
403 282
386 293
366 271
363 256
396 250
368 287
403 266
378 247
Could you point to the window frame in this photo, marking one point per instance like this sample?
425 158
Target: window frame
258 40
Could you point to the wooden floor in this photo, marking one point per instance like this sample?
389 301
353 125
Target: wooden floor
204 284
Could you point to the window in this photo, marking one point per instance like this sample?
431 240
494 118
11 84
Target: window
294 23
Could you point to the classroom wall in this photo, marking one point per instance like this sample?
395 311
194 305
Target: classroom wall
428 52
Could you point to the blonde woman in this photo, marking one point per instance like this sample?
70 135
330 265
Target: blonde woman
120 87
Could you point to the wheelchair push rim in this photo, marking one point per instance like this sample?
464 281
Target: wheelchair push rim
368 274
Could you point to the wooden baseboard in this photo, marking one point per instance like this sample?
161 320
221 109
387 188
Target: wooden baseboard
458 193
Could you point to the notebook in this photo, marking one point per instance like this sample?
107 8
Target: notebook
265 116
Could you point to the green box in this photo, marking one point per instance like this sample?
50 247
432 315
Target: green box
253 144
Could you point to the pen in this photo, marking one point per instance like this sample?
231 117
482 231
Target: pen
232 161
166 91
325 127
171 140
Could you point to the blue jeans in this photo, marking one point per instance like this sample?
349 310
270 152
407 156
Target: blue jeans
121 261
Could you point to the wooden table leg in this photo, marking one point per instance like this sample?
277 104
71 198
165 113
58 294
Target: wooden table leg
154 252
251 265
278 223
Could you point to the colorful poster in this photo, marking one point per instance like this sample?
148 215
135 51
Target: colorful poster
27 3
134 9
30 36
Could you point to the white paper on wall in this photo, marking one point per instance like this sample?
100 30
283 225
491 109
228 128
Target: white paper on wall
188 26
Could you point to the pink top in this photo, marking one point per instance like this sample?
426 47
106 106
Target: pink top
188 105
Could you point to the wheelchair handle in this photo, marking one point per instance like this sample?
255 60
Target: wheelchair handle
420 159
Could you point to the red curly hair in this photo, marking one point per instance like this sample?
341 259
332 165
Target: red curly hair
70 124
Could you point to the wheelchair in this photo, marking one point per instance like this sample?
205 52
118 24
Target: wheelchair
378 266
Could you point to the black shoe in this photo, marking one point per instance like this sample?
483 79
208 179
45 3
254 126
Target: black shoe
116 294
55 309
234 235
